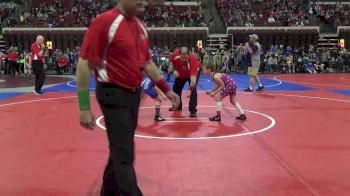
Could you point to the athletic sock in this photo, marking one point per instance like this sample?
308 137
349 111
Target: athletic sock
239 108
219 108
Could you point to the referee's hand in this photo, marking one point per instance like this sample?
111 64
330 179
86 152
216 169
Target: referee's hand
189 93
174 98
176 74
87 119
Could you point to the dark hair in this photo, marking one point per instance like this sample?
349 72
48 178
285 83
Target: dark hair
210 67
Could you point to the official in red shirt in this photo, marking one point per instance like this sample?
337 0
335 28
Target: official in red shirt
37 60
116 47
186 70
12 56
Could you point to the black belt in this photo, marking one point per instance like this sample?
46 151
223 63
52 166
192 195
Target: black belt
113 85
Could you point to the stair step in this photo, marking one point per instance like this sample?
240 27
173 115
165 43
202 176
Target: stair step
328 35
217 41
217 44
327 44
328 40
218 36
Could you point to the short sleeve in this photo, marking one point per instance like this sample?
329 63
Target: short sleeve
34 49
95 42
172 57
148 52
255 48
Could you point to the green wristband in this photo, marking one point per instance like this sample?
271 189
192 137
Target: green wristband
84 99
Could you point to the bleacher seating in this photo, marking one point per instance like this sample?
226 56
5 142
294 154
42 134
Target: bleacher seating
173 16
79 13
263 13
331 13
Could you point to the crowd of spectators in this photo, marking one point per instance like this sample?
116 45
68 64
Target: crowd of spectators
173 16
7 15
57 13
278 59
250 13
313 60
281 59
334 14
80 13
56 61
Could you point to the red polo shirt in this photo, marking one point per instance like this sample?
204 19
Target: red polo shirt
12 56
118 47
185 70
36 48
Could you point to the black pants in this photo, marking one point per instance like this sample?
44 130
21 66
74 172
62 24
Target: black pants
120 109
38 68
58 69
178 87
13 67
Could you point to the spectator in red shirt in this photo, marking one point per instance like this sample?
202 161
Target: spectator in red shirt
116 47
186 70
37 61
12 56
2 63
62 62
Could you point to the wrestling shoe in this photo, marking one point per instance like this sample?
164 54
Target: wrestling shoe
248 90
215 118
159 118
260 88
37 93
241 117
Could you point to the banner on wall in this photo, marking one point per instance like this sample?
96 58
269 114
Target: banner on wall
200 44
341 43
49 45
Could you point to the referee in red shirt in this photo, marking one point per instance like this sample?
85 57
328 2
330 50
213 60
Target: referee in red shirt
12 56
116 47
37 60
187 68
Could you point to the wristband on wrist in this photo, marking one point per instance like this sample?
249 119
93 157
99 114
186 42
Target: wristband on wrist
84 99
163 85
191 88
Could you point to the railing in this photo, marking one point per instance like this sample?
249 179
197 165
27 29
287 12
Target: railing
9 29
63 38
275 28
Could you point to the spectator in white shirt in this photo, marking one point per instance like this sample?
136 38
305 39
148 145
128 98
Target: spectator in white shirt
271 19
